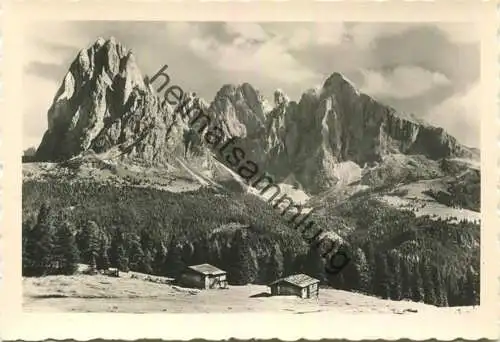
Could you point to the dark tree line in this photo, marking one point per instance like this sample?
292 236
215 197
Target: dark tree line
54 246
146 230
49 246
390 276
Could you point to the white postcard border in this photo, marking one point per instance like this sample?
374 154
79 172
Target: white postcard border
14 324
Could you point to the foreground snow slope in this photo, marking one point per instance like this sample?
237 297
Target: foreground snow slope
83 293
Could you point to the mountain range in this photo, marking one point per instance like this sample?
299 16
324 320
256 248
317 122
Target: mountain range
333 135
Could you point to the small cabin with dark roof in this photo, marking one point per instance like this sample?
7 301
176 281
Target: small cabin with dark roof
204 276
300 285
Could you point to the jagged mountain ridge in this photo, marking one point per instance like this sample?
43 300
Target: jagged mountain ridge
104 104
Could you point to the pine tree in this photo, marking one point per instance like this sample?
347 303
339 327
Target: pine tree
147 262
337 281
118 253
174 262
455 293
470 292
65 250
382 276
395 276
27 262
121 259
88 241
159 260
187 252
243 269
406 280
102 261
417 285
93 265
314 264
364 272
426 272
136 255
147 241
201 252
289 260
439 287
476 282
351 275
371 286
444 295
39 243
275 265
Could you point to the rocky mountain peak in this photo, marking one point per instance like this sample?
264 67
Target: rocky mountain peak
280 98
102 83
227 90
335 78
241 108
244 94
104 104
337 83
100 41
338 124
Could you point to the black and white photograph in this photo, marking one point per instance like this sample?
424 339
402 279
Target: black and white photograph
296 168
270 166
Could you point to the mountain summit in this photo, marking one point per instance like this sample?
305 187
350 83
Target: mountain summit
97 89
104 104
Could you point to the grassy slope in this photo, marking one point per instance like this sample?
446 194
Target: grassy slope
83 293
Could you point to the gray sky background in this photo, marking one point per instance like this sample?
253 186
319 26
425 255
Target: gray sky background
431 70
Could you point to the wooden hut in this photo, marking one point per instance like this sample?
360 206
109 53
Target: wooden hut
112 272
204 276
300 285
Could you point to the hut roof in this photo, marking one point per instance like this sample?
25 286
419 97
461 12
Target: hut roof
206 269
300 280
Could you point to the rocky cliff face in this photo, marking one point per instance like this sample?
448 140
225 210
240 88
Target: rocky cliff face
105 105
337 124
96 90
241 109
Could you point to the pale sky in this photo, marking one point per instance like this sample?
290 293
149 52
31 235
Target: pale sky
430 70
